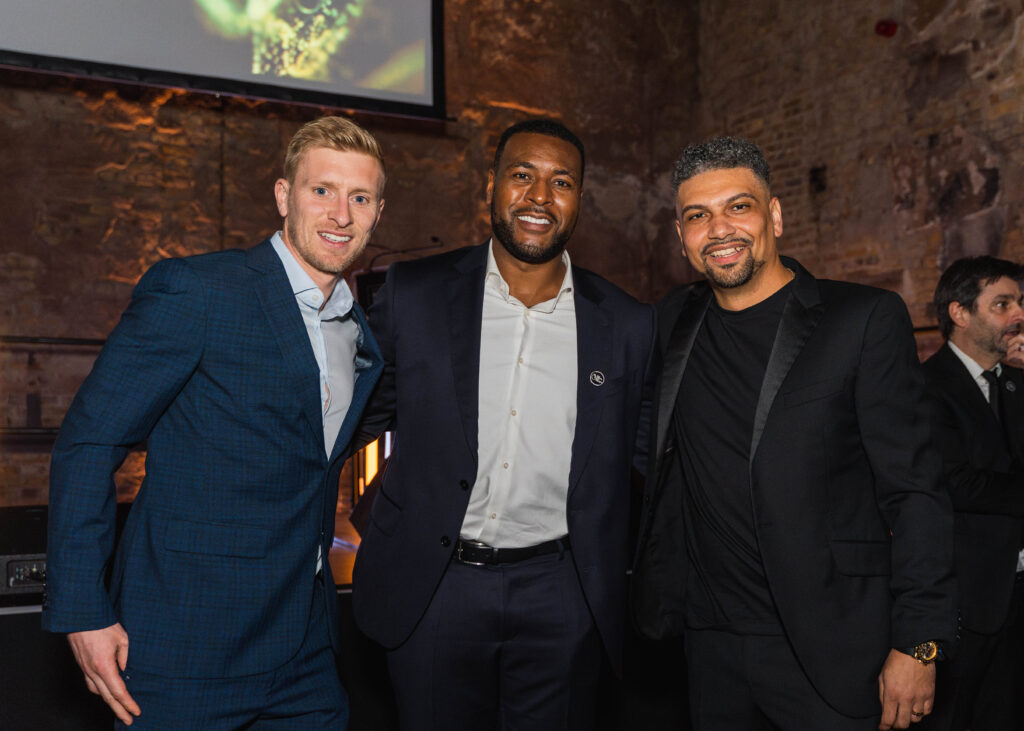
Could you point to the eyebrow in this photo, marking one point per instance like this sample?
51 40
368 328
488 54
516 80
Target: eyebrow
335 186
531 166
703 207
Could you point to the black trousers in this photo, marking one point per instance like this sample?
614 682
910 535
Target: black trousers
510 647
755 683
981 687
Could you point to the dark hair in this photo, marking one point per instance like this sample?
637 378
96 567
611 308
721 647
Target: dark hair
548 127
963 281
718 154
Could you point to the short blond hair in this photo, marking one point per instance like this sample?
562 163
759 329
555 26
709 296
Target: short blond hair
334 133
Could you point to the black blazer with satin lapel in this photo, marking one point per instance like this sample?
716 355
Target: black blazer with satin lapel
986 481
854 528
427 319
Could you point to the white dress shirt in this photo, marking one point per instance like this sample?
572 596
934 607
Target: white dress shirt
976 370
527 415
334 337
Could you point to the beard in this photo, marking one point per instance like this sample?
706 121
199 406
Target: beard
997 342
504 232
735 276
322 261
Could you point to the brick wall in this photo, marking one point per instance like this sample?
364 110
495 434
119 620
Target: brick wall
98 181
891 156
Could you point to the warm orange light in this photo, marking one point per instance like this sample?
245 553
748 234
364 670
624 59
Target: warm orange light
371 460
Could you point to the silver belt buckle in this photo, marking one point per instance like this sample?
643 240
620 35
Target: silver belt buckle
474 544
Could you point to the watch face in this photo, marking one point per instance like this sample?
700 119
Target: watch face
926 651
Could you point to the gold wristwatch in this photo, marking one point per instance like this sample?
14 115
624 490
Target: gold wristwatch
926 653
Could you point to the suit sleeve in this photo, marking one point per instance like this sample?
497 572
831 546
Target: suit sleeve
379 414
892 417
973 488
148 358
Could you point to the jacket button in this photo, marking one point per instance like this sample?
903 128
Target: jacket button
463 484
445 541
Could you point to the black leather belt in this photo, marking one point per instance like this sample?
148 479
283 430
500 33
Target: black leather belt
475 553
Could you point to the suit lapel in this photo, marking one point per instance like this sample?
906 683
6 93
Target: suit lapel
465 312
680 343
369 364
958 381
593 359
799 318
1013 411
278 302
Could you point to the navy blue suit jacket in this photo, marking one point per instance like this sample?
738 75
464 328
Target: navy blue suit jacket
427 319
213 576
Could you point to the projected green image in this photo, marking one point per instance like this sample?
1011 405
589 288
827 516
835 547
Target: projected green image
296 38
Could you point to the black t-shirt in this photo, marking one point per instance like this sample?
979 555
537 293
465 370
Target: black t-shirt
714 417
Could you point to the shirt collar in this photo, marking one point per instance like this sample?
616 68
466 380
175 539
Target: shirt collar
305 289
497 283
972 365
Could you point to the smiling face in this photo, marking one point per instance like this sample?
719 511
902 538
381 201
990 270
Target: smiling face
985 332
330 209
535 196
727 223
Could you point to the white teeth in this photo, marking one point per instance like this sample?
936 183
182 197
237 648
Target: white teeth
533 219
334 239
724 252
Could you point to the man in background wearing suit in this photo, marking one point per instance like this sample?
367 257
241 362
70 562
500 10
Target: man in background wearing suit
978 417
494 564
245 372
795 529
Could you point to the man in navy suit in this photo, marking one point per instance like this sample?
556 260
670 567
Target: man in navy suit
245 372
494 564
978 419
795 529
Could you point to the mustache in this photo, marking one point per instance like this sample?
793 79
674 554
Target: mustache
734 240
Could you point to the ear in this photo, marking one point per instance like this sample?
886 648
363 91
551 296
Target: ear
281 196
490 186
959 314
682 246
775 207
380 210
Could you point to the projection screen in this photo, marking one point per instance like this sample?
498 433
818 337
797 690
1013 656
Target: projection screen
379 55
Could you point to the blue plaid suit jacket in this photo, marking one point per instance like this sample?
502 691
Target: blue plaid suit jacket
213 575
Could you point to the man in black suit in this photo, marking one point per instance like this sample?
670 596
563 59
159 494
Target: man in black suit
978 416
795 529
494 564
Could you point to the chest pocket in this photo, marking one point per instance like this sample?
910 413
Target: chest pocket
813 392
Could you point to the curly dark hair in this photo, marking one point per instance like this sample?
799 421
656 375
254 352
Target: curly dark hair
719 153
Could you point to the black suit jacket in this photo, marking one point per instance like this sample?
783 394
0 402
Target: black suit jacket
986 481
427 318
854 528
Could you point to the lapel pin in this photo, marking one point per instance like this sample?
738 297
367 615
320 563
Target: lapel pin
597 378
1010 386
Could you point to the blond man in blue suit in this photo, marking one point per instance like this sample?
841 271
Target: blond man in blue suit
245 372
